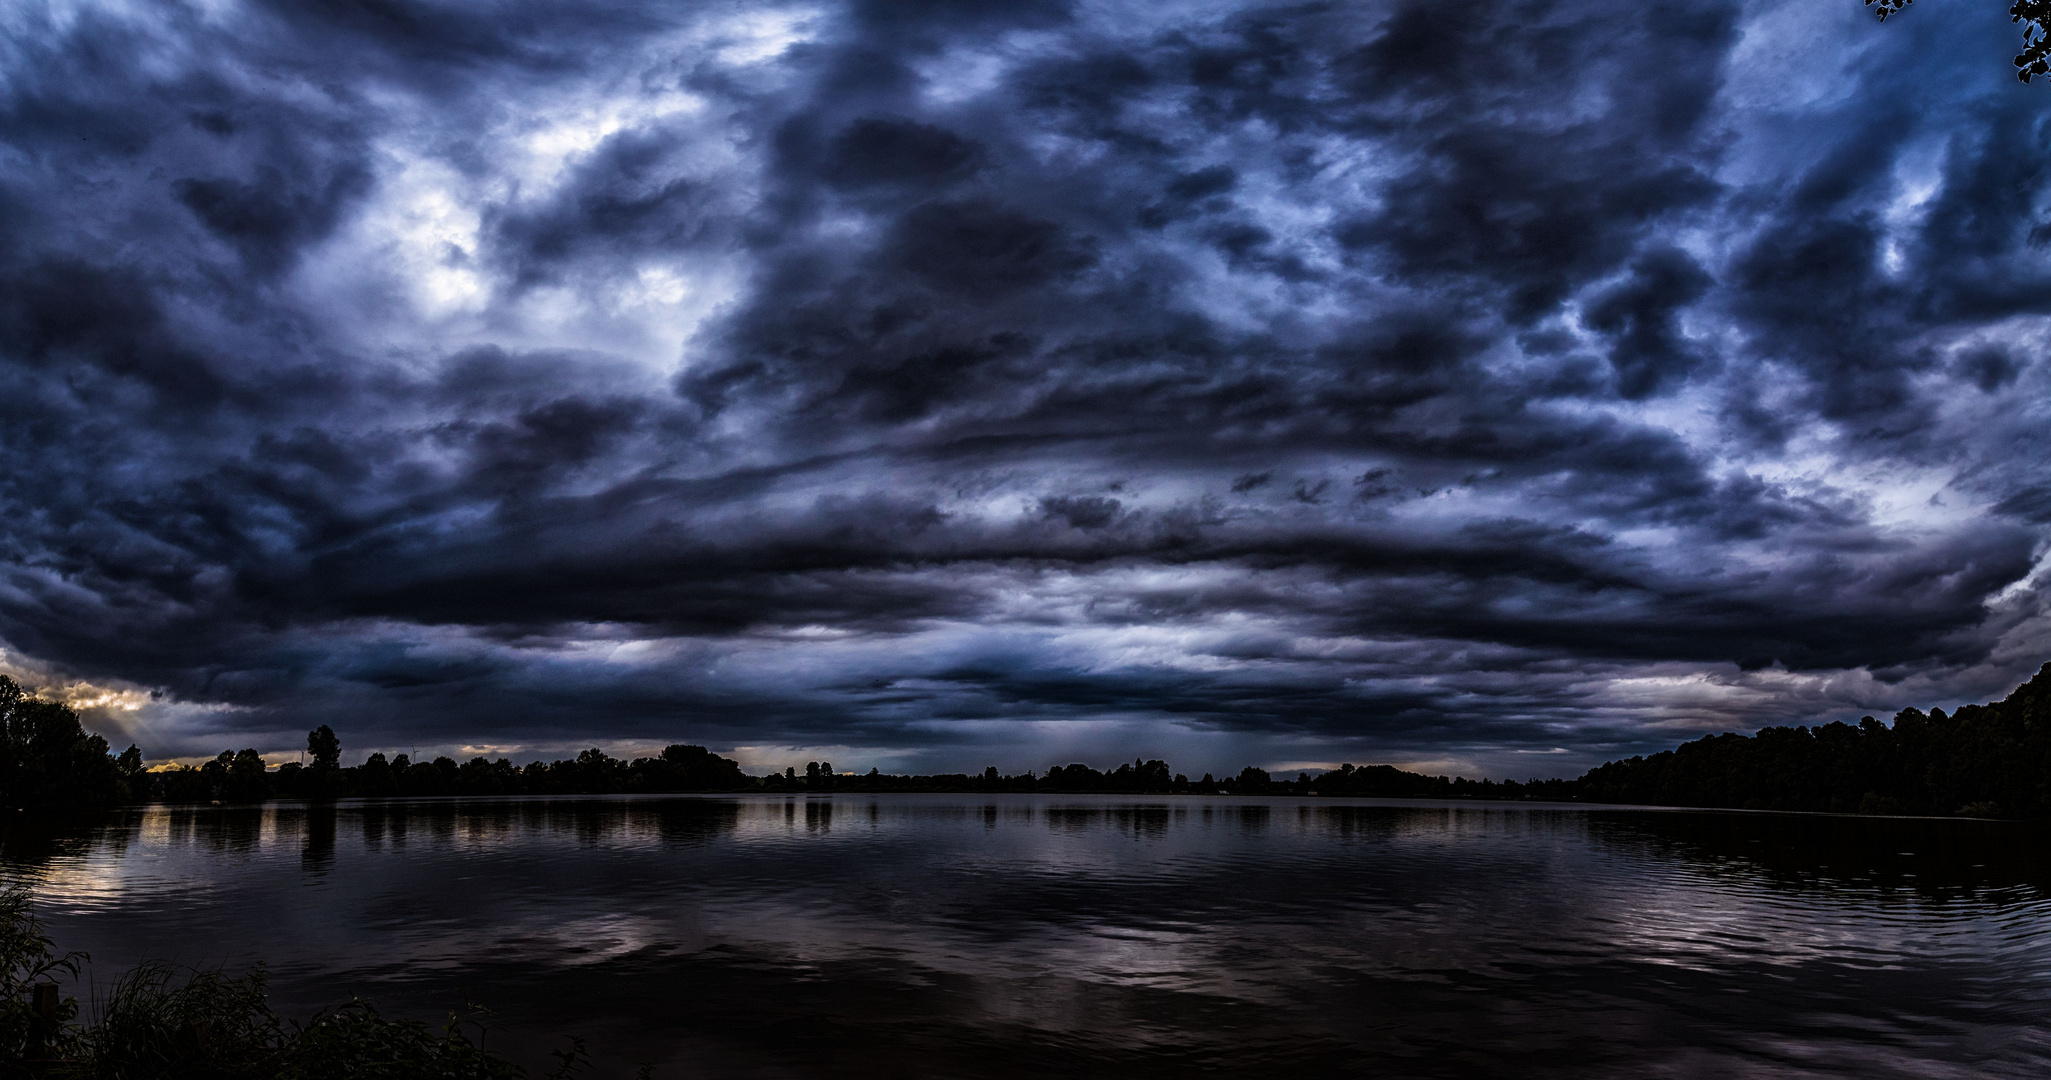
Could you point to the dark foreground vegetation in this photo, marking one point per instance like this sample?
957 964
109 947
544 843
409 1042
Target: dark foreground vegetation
1982 760
155 1023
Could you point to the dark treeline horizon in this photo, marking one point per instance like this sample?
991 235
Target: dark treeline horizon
1981 760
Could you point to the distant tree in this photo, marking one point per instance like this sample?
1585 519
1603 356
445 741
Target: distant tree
2035 17
323 779
178 784
595 773
1389 782
690 768
422 778
245 781
482 776
134 780
324 748
374 777
289 780
213 776
1073 777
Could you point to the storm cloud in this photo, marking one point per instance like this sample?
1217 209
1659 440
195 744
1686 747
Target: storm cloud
1488 387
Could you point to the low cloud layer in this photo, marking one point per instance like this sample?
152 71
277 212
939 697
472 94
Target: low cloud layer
1494 388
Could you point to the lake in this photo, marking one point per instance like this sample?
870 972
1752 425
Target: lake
1107 936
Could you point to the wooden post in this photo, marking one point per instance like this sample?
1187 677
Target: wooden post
42 1027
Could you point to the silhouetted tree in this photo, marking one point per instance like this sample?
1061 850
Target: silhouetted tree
133 779
49 761
2035 17
324 752
214 776
1140 776
595 773
324 748
374 777
1073 777
423 778
245 780
1991 760
685 768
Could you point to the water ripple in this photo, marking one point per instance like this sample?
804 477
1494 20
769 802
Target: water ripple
1107 936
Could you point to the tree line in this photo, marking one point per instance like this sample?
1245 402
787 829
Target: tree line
1981 760
241 776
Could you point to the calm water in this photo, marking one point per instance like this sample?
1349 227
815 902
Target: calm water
971 936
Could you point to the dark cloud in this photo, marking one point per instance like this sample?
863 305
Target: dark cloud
1990 368
1642 316
981 249
1425 383
875 152
1081 511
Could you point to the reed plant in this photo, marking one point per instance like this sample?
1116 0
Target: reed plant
161 1023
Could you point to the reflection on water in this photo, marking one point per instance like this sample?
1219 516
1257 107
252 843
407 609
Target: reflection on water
1031 936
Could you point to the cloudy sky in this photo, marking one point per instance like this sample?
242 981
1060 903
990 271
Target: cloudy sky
1486 387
